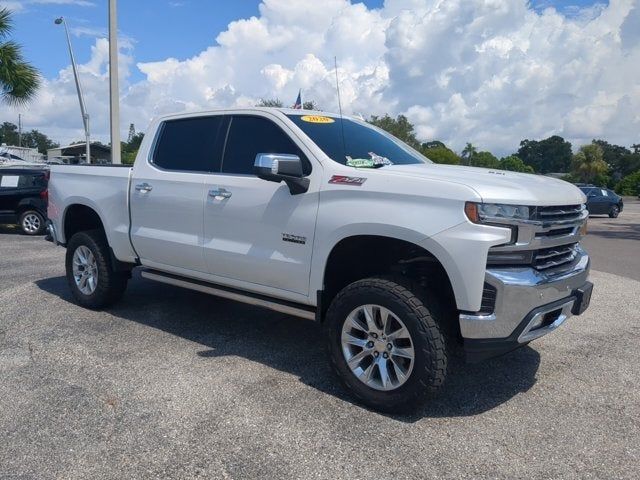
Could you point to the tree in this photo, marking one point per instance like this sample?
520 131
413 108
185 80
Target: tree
9 133
400 127
467 152
588 162
130 148
19 81
552 154
629 185
620 159
484 159
311 105
270 102
439 153
513 163
36 139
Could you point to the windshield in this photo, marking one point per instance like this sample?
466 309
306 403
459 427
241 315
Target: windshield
363 145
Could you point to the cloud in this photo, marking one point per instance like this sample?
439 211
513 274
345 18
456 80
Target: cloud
487 71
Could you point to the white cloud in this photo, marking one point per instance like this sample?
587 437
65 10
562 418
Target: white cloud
487 71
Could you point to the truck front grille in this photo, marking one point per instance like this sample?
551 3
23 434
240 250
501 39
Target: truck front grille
559 213
553 257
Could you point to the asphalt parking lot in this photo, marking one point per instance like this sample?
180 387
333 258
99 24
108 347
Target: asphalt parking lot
173 383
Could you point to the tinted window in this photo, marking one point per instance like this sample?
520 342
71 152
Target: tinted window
191 144
31 181
249 136
358 141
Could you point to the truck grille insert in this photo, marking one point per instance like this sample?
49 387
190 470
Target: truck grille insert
561 213
548 258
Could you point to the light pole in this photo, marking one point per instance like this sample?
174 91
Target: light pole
114 93
83 110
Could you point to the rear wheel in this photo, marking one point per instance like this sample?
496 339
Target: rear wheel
385 344
614 212
94 284
31 222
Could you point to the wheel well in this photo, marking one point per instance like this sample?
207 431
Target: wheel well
79 218
362 256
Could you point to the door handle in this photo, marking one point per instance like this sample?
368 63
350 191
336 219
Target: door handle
144 187
220 192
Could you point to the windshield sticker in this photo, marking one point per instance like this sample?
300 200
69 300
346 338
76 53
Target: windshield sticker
375 161
344 180
316 119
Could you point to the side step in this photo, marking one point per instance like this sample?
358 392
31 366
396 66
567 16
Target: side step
271 303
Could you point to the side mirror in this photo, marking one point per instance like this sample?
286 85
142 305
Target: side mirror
278 167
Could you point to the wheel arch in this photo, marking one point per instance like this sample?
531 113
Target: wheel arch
359 256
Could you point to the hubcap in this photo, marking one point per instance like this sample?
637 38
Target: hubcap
31 223
377 347
85 270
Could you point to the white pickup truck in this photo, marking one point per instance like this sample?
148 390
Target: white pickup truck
331 219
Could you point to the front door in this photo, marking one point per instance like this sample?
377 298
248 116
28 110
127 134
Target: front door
255 231
168 191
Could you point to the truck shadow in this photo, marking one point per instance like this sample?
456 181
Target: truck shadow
628 231
295 346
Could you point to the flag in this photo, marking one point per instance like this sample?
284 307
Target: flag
298 104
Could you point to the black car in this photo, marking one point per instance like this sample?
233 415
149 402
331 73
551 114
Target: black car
23 198
602 201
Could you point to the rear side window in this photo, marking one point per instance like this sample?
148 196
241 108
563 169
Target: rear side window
249 136
190 144
31 181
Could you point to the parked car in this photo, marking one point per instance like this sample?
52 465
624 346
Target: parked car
602 201
23 198
332 219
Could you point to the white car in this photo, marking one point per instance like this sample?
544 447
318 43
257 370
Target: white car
333 220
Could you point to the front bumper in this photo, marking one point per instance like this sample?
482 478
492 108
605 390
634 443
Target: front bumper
529 304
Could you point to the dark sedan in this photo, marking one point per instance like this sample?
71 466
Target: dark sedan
602 201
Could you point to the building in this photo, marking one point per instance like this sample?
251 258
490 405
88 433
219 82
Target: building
76 153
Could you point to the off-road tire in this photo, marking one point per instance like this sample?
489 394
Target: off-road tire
110 285
420 313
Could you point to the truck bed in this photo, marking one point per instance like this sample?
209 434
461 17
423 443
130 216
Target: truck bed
104 188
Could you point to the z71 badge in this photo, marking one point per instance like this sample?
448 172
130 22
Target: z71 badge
287 237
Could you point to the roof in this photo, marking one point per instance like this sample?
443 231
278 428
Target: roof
285 111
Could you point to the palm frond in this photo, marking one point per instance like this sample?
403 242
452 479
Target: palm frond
6 24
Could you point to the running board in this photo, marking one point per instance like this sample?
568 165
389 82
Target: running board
281 306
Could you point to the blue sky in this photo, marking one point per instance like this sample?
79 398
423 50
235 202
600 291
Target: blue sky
490 72
159 28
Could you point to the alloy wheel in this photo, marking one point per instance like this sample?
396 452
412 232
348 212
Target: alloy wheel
377 347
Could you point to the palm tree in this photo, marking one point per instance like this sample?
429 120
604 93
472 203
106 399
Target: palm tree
19 81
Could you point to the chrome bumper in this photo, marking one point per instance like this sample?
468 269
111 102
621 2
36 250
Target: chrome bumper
520 291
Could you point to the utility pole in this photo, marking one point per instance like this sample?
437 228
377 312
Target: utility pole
114 93
20 130
83 109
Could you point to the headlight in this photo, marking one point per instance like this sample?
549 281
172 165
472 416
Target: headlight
488 212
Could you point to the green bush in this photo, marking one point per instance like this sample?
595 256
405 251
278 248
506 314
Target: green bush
629 185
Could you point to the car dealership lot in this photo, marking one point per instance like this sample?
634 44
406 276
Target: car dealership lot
173 383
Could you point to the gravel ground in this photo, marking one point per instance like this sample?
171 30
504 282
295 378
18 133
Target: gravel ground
173 383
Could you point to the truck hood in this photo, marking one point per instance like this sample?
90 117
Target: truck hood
497 186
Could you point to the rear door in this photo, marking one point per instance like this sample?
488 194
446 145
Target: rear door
168 191
259 233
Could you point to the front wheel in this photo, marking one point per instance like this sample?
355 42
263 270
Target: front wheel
93 282
614 212
385 344
31 222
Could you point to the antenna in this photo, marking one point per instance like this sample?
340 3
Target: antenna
344 143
